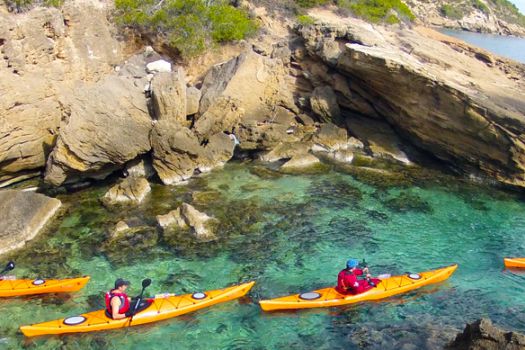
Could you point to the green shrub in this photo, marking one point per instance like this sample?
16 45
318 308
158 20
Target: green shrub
480 6
305 20
22 5
188 25
452 12
378 10
311 3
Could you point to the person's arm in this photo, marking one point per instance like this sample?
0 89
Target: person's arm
115 306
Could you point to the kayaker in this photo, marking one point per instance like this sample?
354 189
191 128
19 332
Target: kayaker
348 282
117 301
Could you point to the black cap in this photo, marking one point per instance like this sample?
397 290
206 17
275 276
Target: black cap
121 282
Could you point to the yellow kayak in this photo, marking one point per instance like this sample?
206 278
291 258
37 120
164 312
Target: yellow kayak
515 262
389 286
161 308
13 288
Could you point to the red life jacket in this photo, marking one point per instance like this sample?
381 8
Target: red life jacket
124 301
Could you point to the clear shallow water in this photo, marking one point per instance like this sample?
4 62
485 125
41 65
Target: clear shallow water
289 233
511 47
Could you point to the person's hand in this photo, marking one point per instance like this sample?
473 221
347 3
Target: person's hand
365 270
368 275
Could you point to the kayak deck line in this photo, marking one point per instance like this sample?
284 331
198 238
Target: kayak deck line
160 309
328 297
22 287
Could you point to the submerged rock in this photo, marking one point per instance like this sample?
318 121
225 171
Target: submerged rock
301 161
202 226
24 214
483 335
286 150
131 190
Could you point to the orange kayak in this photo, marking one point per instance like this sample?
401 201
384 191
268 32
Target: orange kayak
515 262
161 308
389 286
13 288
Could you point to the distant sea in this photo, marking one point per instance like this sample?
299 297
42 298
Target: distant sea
507 46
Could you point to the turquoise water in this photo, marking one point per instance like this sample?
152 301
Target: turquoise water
289 233
507 46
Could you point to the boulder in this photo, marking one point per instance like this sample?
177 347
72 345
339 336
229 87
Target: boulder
173 218
108 125
49 50
159 66
341 156
193 98
381 139
329 138
24 215
286 150
176 152
168 94
324 104
130 190
483 335
140 167
248 87
301 161
202 226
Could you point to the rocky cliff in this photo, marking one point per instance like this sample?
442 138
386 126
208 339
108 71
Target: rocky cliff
459 103
484 16
97 103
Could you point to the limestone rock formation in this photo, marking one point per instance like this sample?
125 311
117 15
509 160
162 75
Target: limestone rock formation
330 138
173 218
140 167
107 125
169 96
248 87
24 214
47 50
193 98
178 154
491 18
324 104
202 226
301 161
131 190
483 335
415 79
286 150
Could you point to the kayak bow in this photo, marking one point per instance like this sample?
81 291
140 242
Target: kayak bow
161 308
329 297
514 262
13 288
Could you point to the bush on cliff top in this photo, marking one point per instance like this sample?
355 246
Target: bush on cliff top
370 10
22 5
188 25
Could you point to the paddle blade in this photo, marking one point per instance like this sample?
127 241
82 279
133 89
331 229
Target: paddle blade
10 266
146 283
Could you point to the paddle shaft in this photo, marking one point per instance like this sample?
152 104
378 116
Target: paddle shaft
139 299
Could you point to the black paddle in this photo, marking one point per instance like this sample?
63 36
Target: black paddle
145 284
10 266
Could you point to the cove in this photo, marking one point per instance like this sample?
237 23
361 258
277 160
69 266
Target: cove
289 233
507 46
